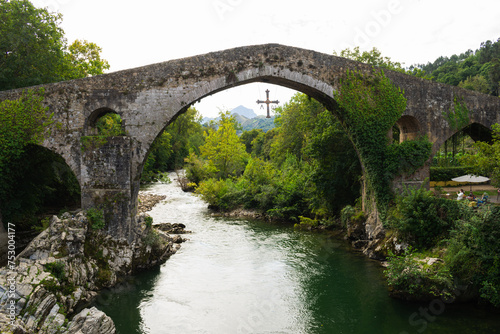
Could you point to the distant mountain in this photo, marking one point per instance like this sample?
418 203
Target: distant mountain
240 118
259 122
206 120
243 111
248 119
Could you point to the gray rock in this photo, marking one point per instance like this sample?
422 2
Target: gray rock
91 321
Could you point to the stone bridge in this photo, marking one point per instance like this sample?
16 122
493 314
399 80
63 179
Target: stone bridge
150 97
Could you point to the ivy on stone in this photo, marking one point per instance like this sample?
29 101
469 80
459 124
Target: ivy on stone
368 107
458 116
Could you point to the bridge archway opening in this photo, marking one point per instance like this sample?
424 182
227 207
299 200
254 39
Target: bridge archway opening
104 121
460 143
260 88
259 84
478 132
408 128
42 185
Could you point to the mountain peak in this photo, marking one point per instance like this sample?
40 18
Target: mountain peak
243 111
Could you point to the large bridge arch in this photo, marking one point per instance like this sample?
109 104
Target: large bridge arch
296 81
148 98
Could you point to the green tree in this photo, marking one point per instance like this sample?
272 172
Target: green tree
31 45
110 125
225 153
247 137
477 83
261 145
423 220
473 252
314 135
170 149
186 134
469 69
33 48
158 158
295 122
83 59
374 57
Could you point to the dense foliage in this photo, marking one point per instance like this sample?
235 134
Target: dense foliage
470 242
448 173
374 57
226 156
408 280
22 122
422 219
473 254
476 70
173 145
34 50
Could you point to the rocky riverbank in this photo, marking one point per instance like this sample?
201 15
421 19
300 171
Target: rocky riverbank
65 266
147 201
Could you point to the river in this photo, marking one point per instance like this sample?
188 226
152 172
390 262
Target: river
239 276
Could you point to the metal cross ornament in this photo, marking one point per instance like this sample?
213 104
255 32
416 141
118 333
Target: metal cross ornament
268 102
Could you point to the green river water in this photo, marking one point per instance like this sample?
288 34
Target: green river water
238 276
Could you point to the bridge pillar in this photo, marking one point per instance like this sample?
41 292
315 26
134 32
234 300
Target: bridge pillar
107 184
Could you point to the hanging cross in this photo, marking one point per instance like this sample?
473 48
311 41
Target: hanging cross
268 102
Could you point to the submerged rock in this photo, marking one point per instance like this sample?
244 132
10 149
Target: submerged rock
174 228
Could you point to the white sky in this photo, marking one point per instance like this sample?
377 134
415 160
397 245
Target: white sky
143 32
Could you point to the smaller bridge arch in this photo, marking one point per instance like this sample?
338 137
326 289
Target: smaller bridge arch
409 128
90 127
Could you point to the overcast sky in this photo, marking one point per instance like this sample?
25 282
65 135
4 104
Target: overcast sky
138 33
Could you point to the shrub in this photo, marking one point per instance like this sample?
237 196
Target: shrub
96 218
154 240
410 279
195 168
350 214
447 173
149 221
222 195
57 269
473 254
306 223
422 219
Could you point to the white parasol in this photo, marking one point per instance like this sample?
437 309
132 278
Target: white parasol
471 179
